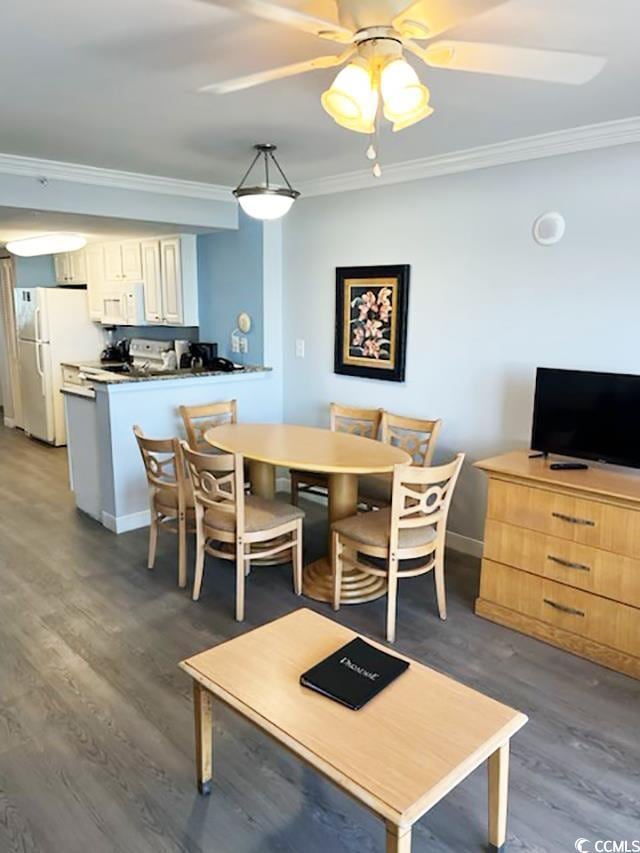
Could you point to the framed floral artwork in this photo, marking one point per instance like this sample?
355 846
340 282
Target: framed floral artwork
371 321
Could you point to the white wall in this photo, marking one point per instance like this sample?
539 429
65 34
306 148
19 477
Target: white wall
487 304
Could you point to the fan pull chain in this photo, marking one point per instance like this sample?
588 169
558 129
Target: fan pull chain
374 145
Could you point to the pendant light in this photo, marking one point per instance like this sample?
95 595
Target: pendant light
266 200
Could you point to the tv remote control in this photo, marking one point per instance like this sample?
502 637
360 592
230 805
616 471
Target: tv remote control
568 466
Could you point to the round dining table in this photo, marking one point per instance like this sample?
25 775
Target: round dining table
342 456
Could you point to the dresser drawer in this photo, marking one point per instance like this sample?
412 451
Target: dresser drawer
607 622
588 522
581 566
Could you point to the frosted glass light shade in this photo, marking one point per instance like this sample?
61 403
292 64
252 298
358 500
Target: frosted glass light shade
46 244
265 204
351 100
411 118
406 99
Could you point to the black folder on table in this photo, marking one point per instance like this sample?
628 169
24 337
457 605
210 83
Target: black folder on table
354 674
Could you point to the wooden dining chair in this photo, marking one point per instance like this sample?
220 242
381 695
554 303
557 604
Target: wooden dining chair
198 419
226 516
364 422
413 528
416 436
170 498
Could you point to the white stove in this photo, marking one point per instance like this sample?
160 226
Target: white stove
152 356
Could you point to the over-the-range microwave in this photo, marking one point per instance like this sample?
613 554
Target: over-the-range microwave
124 305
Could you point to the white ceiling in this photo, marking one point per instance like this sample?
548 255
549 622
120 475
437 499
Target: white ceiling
16 223
113 85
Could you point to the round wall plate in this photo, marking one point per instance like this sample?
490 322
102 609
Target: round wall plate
549 228
244 322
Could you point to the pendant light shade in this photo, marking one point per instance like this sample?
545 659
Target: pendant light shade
47 244
265 200
352 99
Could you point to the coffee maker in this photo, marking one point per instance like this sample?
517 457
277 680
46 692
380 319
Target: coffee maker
202 355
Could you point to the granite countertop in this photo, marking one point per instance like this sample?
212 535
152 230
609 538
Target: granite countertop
107 378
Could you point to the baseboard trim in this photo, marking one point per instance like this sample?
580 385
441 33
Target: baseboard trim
464 544
125 523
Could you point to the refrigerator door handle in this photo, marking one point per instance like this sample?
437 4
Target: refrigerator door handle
40 370
36 323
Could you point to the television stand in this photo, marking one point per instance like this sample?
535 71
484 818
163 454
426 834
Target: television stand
561 558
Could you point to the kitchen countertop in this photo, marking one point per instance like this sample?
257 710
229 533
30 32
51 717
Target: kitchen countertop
107 378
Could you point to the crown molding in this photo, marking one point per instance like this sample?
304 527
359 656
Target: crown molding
31 167
571 141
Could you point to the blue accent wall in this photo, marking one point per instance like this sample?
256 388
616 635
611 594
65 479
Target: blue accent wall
230 280
35 272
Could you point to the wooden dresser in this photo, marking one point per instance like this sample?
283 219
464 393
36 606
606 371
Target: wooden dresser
561 557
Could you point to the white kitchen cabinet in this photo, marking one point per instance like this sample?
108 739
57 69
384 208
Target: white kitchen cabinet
152 278
131 261
123 261
170 275
70 267
94 260
172 283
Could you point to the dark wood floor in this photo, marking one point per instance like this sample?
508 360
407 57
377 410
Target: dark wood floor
95 717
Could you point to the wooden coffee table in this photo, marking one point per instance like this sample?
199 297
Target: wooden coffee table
399 755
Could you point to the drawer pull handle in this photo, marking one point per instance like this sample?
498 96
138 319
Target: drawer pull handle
572 520
572 610
568 564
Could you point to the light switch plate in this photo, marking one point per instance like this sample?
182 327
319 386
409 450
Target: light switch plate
299 348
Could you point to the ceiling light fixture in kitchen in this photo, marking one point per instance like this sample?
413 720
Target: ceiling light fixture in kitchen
46 244
265 200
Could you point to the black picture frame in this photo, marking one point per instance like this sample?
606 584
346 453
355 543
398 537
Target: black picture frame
371 324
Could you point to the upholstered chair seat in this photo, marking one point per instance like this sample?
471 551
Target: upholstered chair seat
374 528
260 514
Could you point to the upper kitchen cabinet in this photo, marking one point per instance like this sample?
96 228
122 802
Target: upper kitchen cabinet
170 280
94 259
123 261
70 267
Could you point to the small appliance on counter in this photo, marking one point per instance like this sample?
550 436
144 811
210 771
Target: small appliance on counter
115 351
202 355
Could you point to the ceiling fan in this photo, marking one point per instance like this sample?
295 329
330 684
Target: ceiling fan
377 78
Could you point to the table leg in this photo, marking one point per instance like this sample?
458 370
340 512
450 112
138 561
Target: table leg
203 716
398 839
498 793
263 479
357 586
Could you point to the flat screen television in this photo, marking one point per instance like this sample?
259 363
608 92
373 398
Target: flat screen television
587 415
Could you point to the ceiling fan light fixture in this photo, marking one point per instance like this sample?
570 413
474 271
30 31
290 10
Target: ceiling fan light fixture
411 118
265 201
402 91
352 100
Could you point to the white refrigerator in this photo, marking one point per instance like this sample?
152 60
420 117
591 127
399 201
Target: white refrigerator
53 327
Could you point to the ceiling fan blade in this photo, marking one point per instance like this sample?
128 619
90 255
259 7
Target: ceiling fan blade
429 18
235 85
552 66
288 17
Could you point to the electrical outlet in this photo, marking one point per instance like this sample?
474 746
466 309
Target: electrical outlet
299 348
235 343
244 343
